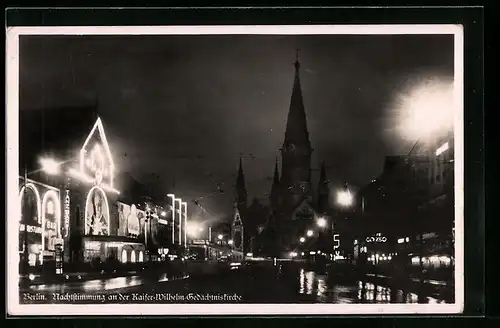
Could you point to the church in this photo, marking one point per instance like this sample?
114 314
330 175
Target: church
294 203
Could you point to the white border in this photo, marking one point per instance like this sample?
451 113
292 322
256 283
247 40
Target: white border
13 208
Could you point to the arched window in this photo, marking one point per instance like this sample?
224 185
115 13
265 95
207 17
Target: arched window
132 257
141 256
124 256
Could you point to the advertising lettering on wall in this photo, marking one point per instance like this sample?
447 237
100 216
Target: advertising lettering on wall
51 214
65 225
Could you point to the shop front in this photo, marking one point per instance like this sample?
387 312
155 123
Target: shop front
39 226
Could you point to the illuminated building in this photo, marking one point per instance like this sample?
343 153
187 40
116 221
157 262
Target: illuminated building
75 214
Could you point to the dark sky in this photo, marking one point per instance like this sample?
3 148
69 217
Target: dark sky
165 100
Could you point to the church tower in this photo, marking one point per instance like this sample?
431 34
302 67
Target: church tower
296 150
239 210
323 191
275 196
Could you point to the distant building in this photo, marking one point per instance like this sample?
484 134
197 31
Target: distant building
293 204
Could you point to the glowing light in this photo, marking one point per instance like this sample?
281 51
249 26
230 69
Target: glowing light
132 257
124 256
51 197
401 240
312 252
425 109
99 127
344 198
293 254
249 254
141 256
407 239
220 237
38 200
321 222
302 239
163 213
309 233
88 205
442 149
31 276
230 242
50 166
184 207
179 211
172 197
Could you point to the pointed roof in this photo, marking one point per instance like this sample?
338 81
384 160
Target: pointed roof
276 176
296 127
240 180
240 187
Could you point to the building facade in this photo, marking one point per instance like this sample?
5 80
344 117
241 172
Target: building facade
73 213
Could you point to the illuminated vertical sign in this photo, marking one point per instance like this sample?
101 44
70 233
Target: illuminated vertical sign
65 225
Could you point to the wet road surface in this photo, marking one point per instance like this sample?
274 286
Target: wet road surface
266 284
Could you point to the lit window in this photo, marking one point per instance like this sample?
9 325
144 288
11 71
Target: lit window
132 257
442 149
141 256
124 256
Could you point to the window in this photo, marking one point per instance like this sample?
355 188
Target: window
124 256
141 256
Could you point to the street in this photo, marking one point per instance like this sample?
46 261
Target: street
259 284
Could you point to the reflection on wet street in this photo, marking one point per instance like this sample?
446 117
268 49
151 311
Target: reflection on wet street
323 289
105 284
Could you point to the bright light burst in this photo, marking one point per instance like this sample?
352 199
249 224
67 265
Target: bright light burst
424 109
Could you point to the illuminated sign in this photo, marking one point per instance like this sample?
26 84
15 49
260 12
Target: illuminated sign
65 227
378 238
96 162
33 229
336 241
133 225
123 213
51 216
97 213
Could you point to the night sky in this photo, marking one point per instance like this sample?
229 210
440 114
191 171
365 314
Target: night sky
189 105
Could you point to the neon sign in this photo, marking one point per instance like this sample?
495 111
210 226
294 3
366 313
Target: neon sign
96 162
51 217
65 227
336 241
378 238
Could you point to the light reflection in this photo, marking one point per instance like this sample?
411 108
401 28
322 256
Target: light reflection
309 282
302 280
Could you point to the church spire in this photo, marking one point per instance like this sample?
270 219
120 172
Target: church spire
296 128
241 190
275 188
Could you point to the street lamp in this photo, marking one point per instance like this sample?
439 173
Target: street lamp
321 222
344 198
309 233
302 239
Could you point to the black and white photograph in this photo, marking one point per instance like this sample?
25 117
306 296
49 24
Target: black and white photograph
258 170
